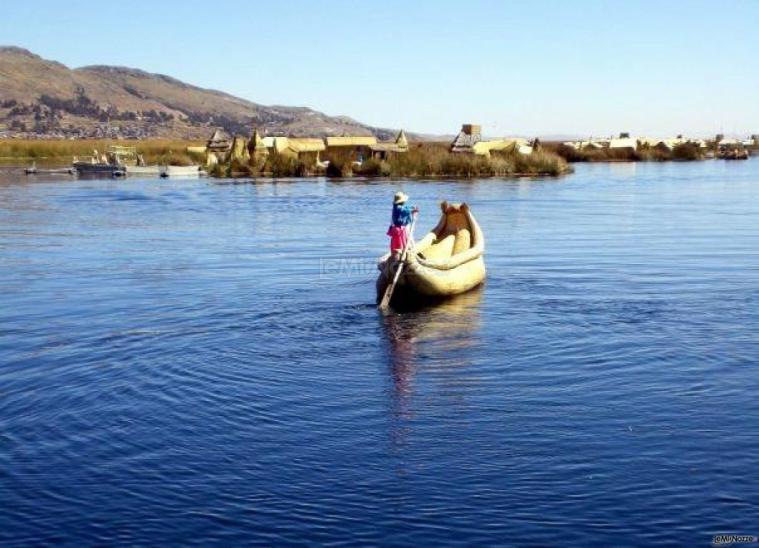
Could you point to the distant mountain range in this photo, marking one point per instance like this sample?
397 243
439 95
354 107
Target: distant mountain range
41 98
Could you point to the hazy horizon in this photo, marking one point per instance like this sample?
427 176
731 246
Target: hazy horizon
589 68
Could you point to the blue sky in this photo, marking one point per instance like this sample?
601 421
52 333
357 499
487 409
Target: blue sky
528 68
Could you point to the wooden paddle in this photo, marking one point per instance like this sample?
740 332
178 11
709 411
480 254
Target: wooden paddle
385 302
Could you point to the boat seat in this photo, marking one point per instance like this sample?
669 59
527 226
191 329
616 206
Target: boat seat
463 241
455 236
457 225
441 249
449 245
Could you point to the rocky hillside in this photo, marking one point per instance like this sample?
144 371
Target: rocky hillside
41 98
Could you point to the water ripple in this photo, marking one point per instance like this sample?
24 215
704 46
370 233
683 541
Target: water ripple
179 367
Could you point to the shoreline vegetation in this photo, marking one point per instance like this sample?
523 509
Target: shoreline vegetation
683 152
422 160
427 159
62 151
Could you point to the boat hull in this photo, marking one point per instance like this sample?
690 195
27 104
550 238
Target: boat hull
85 168
424 283
54 171
143 170
180 171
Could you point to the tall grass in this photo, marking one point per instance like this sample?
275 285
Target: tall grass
159 151
434 160
422 160
687 152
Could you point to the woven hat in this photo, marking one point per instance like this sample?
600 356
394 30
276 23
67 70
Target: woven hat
400 198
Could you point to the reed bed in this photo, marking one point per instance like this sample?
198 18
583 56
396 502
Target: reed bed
422 160
435 160
439 162
159 151
681 152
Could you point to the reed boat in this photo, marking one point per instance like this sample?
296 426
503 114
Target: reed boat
100 168
735 154
114 162
447 261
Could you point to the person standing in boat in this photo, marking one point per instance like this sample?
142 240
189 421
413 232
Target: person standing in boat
401 219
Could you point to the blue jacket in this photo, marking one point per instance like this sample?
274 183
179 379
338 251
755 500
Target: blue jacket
401 214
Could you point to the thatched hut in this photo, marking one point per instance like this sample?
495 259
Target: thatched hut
217 148
351 148
382 151
628 144
470 135
306 149
470 141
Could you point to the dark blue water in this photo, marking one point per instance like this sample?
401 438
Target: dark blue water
193 362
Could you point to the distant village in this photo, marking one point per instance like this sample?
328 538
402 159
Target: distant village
626 142
222 149
468 154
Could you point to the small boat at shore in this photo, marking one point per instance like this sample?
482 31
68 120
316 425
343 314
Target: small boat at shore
145 171
180 171
34 170
114 162
447 261
735 154
99 168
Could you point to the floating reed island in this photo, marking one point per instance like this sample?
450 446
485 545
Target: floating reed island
646 149
363 155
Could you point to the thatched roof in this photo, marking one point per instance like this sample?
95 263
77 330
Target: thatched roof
278 144
354 141
625 142
486 147
218 141
399 145
306 144
387 147
464 142
294 144
401 139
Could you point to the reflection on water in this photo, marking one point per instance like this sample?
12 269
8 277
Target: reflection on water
448 328
623 169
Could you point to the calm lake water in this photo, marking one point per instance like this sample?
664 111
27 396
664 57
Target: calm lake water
195 362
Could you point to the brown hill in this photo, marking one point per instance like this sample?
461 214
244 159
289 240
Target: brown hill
42 98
